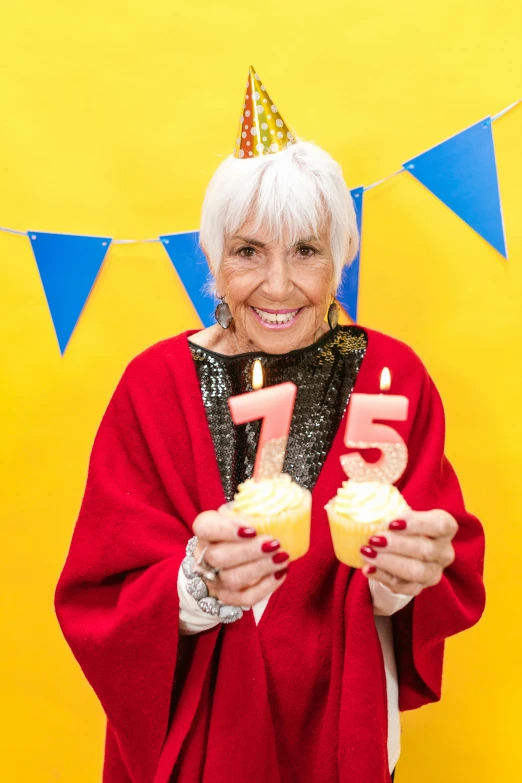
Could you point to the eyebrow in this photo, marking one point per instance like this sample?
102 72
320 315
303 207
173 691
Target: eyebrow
307 239
250 241
257 243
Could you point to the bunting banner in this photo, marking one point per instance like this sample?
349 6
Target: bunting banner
192 268
348 291
68 267
461 172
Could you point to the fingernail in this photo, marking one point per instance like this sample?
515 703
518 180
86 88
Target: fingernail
368 551
280 574
397 524
370 569
378 541
270 546
246 532
280 557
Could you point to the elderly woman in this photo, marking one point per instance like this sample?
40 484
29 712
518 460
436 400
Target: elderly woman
306 686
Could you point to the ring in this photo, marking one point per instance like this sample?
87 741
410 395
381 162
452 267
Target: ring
207 571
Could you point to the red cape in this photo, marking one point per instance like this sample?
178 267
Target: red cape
300 697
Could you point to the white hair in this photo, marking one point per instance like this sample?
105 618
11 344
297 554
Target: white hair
291 193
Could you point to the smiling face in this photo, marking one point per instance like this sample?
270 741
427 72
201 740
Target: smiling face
278 293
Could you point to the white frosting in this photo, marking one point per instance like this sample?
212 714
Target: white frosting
268 497
365 502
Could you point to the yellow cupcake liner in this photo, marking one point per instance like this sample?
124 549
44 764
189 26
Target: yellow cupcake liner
348 537
291 527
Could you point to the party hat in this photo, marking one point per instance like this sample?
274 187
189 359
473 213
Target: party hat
262 131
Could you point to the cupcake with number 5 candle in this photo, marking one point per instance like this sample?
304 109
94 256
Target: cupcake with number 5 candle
366 503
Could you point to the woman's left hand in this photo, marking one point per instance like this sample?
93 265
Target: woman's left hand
413 553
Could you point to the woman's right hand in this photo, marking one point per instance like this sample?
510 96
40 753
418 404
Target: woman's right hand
251 567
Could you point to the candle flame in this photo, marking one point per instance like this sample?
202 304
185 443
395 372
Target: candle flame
257 375
385 379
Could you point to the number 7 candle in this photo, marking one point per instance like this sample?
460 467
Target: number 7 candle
275 405
271 502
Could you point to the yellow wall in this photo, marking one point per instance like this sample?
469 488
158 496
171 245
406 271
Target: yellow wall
113 117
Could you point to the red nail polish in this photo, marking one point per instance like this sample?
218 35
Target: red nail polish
371 569
378 541
280 557
397 524
280 574
270 546
246 532
368 551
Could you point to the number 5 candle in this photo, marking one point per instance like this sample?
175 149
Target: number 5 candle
275 406
362 432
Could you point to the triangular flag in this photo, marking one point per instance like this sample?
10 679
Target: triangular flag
348 292
191 265
462 173
68 267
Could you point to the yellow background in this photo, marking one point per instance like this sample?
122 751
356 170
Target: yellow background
113 116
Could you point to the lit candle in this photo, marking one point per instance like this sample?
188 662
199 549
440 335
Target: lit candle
363 433
275 406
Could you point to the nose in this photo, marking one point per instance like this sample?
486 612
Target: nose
278 285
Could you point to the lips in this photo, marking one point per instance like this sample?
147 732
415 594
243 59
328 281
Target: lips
273 317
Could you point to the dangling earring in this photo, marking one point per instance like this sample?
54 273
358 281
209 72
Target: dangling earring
333 313
222 314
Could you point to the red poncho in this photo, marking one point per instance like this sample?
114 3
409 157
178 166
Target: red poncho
302 696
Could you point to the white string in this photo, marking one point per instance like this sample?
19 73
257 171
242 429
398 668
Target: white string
504 111
133 241
13 231
365 189
385 179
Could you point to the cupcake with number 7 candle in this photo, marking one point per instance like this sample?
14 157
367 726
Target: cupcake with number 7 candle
271 502
368 501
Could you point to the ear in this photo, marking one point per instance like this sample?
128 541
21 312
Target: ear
207 256
210 285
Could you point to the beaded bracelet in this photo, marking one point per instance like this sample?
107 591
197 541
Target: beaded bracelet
196 587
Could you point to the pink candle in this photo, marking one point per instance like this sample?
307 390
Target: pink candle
275 406
363 433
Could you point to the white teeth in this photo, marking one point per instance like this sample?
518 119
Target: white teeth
276 318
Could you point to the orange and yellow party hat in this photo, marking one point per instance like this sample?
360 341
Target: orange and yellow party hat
262 131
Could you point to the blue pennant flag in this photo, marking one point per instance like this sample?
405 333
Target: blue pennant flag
68 267
191 265
348 291
462 173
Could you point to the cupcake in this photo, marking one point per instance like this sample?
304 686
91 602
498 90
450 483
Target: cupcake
277 507
359 510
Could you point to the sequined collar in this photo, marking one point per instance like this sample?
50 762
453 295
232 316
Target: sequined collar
324 372
330 336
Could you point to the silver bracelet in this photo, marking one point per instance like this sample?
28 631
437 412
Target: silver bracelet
197 588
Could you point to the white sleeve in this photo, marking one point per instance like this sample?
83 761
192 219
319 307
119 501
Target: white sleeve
192 619
385 602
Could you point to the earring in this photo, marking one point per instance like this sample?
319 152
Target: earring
333 313
222 314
